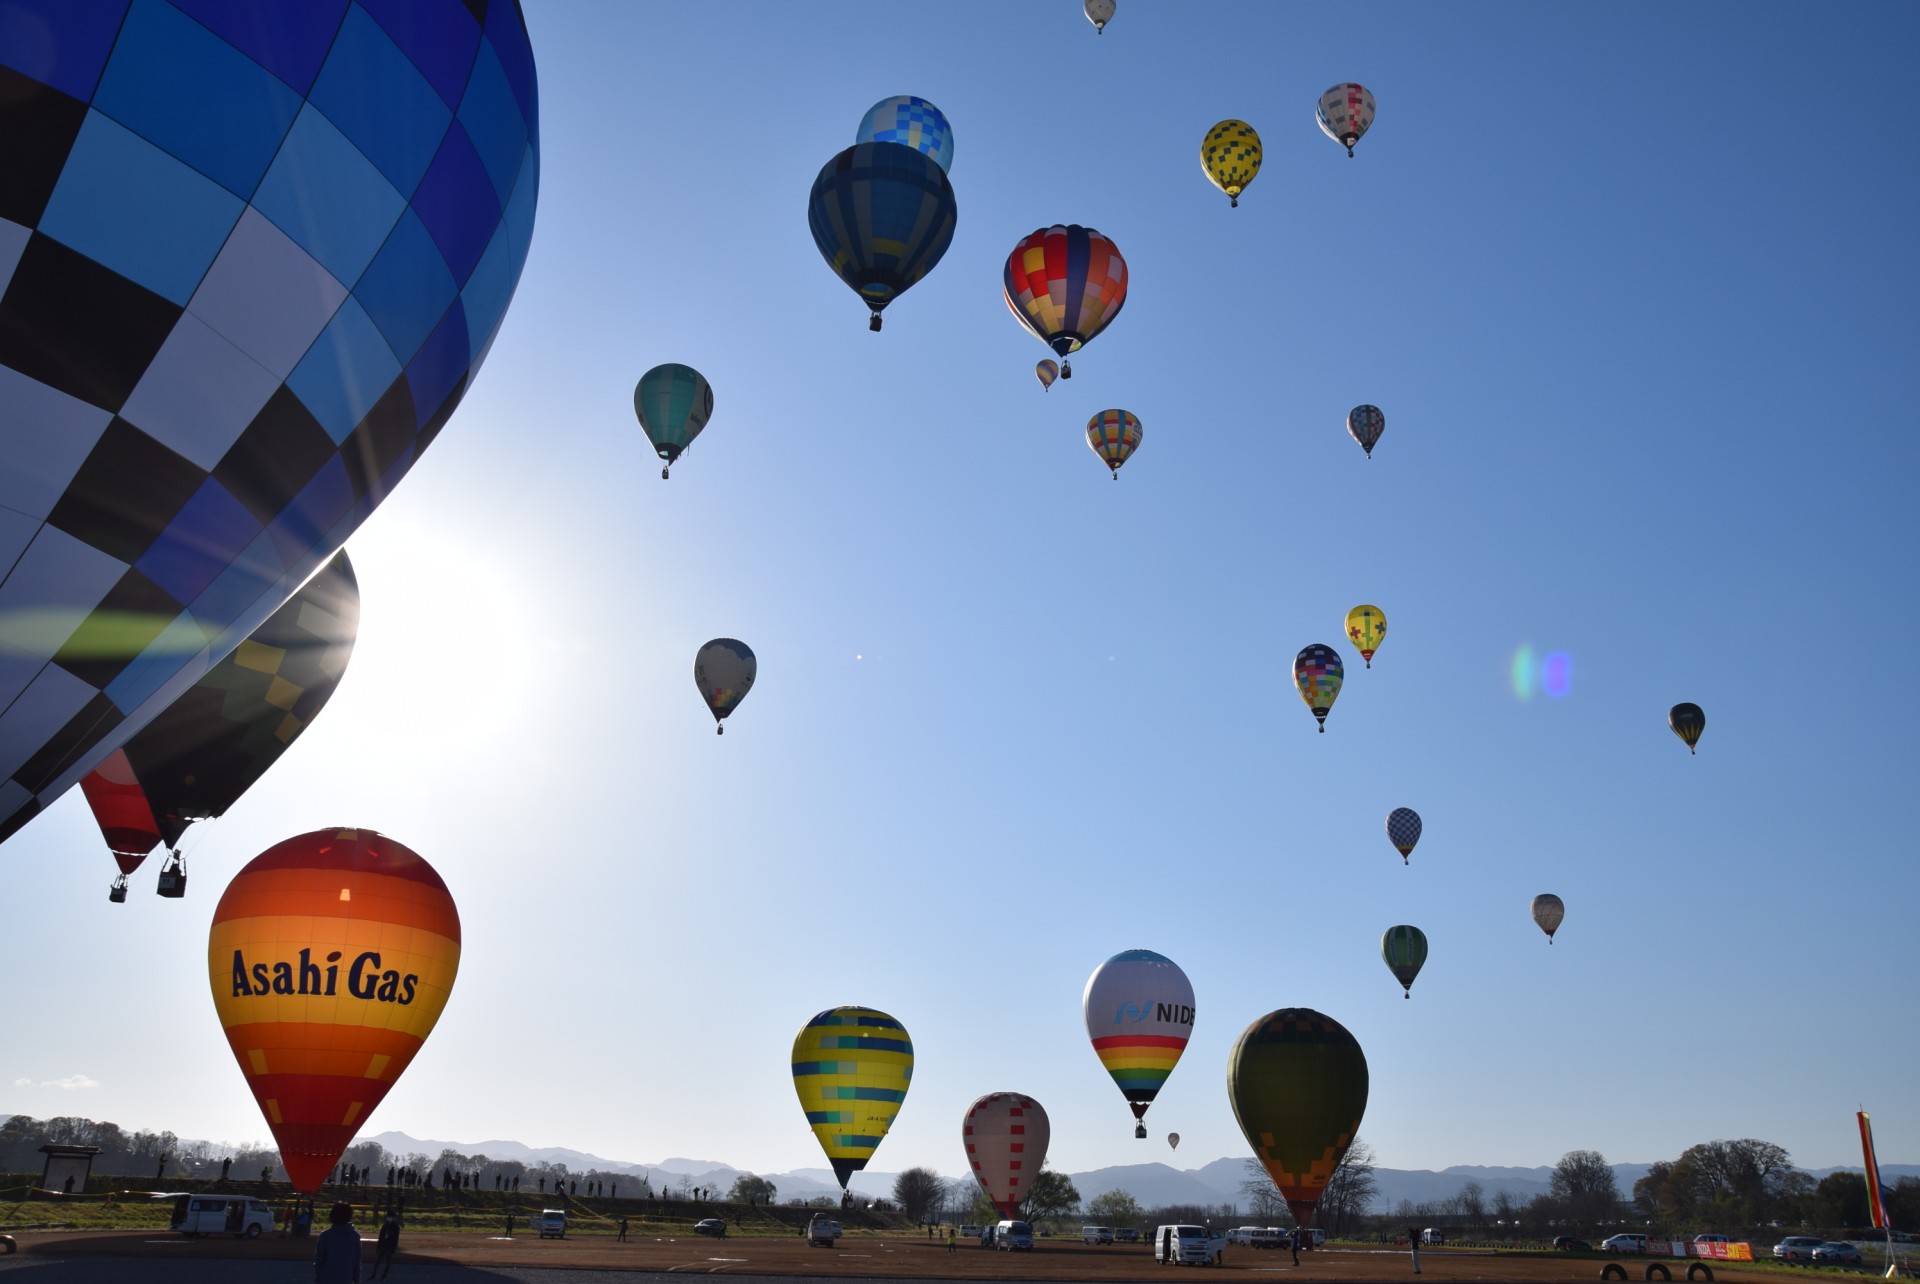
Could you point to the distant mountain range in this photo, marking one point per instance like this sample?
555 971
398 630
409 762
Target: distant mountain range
1154 1185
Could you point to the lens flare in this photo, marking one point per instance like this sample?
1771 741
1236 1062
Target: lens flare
1522 672
1556 674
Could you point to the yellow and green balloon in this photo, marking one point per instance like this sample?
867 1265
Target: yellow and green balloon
851 1069
1298 1082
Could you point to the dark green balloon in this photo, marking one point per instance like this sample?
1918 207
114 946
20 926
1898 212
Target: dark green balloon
1404 947
1298 1083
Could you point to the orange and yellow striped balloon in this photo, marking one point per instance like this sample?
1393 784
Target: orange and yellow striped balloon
331 956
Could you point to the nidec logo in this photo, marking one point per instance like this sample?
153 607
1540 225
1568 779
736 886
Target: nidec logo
365 980
1148 1010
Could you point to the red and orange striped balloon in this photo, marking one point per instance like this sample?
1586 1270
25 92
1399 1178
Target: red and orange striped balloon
331 957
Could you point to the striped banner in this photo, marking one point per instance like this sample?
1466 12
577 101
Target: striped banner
1875 1206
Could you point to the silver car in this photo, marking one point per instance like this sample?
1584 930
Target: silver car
1837 1250
1797 1248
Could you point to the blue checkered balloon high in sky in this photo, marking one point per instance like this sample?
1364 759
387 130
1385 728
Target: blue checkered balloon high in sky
913 121
251 255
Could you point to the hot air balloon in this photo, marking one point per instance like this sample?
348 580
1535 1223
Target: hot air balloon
1230 156
1066 283
254 262
1687 721
911 122
852 1067
1006 1136
1548 912
331 956
1298 1083
1099 13
1345 112
1367 629
1114 436
674 403
1173 1141
1317 673
1138 1007
1046 370
1364 425
1405 950
1403 831
882 214
723 669
208 747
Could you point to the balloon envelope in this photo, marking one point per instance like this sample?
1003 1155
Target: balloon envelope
208 747
1317 674
1006 1137
1114 436
911 122
1687 721
1298 1083
724 670
1364 425
1404 948
1099 13
1065 283
1345 112
1367 629
851 1068
673 403
330 957
1548 911
235 314
1138 1007
1173 1140
1046 370
1403 831
882 215
1230 157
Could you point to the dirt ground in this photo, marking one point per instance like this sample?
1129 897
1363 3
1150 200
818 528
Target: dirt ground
877 1256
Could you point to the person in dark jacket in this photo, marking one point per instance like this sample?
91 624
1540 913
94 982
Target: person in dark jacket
388 1245
336 1254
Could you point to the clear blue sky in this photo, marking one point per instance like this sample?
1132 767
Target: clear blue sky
1634 286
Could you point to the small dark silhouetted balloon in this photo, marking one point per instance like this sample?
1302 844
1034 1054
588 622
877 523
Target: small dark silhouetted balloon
1403 831
1099 13
882 215
673 402
1364 425
724 670
1404 948
1317 674
1173 1141
1548 911
1687 721
1298 1082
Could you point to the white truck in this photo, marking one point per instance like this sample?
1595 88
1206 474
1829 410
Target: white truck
1187 1245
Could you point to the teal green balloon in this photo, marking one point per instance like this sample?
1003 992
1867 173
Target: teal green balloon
1405 949
673 403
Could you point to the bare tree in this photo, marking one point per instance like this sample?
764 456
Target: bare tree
1264 1202
1584 1185
918 1191
749 1188
1350 1191
1118 1208
1473 1205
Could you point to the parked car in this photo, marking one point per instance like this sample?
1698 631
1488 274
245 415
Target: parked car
822 1231
221 1215
551 1223
1126 1235
1257 1236
711 1226
970 1231
1571 1244
1626 1243
1012 1235
1837 1250
1710 1239
986 1235
1433 1235
1187 1245
1096 1234
1797 1248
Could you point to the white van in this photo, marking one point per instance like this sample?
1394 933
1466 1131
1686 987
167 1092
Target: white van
1011 1235
822 1231
1186 1245
551 1223
1257 1236
221 1215
1096 1234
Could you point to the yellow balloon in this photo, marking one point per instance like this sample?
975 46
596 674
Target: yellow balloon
1230 155
851 1068
1367 627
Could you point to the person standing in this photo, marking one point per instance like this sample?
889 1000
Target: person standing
1413 1246
336 1254
1293 1242
949 1239
388 1245
623 1230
